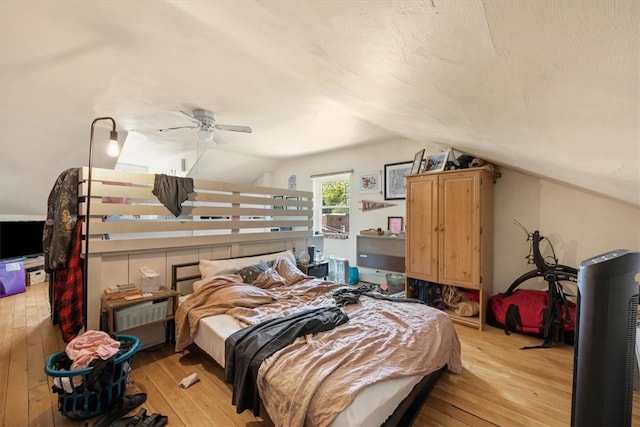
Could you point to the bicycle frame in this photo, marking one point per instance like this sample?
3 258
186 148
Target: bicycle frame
550 272
553 274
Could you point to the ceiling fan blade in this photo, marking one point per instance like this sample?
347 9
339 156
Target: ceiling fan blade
185 116
234 128
217 138
177 127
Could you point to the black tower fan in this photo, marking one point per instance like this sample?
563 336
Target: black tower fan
603 366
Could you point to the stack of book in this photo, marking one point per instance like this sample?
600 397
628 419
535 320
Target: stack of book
127 290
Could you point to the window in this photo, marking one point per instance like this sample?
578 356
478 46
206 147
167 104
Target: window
332 201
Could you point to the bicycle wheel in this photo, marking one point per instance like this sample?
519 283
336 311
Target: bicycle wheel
561 273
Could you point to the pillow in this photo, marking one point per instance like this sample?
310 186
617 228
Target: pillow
289 271
269 279
228 292
226 266
206 280
283 272
251 273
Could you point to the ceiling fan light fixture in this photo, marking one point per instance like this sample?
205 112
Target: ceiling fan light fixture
205 135
205 122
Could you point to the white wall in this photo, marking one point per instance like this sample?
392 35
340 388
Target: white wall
361 159
578 224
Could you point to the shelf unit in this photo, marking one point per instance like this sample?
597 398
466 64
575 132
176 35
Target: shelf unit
109 307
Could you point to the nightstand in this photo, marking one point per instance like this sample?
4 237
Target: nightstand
121 314
319 269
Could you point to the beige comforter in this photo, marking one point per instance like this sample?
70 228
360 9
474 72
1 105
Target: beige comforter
316 377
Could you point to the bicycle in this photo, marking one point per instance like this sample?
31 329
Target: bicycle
555 275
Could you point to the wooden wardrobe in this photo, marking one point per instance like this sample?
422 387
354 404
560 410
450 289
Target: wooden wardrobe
449 237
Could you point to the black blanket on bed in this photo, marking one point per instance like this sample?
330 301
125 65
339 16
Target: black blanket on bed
247 348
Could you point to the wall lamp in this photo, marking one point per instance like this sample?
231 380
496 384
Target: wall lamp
112 150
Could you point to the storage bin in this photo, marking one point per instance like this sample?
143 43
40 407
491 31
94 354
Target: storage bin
338 270
140 314
35 277
395 282
85 400
12 277
354 276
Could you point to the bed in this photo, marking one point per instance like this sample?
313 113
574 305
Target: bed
228 220
375 369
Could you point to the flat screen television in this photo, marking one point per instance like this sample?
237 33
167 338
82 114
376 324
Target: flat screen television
20 238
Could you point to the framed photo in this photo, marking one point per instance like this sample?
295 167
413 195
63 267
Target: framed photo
370 182
417 162
395 185
437 162
395 224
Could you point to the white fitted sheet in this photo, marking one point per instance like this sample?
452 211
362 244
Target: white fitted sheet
371 407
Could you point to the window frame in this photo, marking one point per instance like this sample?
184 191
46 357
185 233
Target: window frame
318 183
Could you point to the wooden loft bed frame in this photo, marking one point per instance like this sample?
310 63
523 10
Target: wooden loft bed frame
130 228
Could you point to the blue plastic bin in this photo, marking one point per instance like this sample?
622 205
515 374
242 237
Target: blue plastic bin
354 276
82 401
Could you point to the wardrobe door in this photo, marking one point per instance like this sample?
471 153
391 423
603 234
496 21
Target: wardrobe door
459 227
422 227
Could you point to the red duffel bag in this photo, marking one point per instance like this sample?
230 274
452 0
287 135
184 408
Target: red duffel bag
528 311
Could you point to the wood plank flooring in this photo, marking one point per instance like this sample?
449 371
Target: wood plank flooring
501 385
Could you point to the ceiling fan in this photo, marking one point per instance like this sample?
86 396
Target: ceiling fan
205 122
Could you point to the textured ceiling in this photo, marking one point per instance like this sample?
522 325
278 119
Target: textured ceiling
547 87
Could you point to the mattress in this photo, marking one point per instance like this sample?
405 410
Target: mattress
359 374
371 407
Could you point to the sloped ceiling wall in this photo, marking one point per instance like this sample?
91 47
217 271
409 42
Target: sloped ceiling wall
550 88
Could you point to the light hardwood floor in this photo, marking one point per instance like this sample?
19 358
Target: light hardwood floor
500 385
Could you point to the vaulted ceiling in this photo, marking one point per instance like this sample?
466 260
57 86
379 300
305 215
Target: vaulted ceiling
547 87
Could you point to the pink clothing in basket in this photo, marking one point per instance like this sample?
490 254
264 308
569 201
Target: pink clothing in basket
89 346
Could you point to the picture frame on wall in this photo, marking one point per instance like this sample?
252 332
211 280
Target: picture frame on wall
395 184
370 182
437 162
417 162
